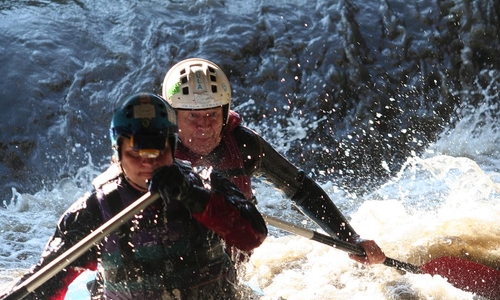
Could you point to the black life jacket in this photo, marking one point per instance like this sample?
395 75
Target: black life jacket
161 250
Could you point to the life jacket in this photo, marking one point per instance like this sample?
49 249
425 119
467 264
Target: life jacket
226 158
163 250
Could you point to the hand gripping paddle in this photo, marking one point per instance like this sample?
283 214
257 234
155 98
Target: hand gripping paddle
463 274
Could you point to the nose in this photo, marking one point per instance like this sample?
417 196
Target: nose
148 161
203 122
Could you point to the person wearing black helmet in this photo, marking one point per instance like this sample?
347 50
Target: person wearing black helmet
173 249
211 134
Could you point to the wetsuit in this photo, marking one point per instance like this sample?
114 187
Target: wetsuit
243 154
172 249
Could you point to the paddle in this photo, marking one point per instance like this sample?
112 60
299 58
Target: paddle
51 269
463 274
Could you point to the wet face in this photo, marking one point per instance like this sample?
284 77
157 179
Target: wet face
139 170
200 130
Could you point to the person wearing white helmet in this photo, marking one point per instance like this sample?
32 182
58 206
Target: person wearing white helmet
172 249
211 134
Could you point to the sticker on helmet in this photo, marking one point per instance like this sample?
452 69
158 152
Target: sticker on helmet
172 117
175 89
199 83
146 123
144 111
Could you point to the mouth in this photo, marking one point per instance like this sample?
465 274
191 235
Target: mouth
203 137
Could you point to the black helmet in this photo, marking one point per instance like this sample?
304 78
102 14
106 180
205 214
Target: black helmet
148 121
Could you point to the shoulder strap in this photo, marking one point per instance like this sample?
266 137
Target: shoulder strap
107 176
114 201
116 205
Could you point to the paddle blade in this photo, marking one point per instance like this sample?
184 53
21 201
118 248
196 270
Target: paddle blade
466 275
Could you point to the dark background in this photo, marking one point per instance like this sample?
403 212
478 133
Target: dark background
367 83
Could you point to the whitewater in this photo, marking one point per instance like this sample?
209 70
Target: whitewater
397 97
442 203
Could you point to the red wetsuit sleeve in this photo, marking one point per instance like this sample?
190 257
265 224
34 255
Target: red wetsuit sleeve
71 275
239 224
77 222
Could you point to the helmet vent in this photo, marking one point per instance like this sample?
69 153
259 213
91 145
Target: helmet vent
128 113
197 83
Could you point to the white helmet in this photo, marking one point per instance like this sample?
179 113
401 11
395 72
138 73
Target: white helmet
197 83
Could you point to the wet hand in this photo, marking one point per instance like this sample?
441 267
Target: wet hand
171 183
374 255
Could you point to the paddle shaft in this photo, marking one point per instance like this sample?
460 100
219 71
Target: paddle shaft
336 243
55 266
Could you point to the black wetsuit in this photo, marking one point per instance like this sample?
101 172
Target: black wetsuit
171 248
257 158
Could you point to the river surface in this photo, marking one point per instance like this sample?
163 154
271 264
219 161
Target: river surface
391 105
